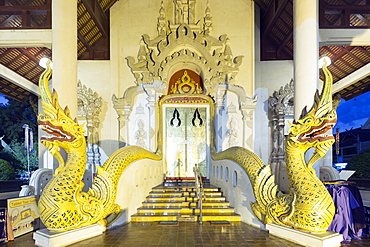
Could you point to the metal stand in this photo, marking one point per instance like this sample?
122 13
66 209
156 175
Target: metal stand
199 191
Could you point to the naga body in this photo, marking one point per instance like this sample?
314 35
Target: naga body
63 205
308 206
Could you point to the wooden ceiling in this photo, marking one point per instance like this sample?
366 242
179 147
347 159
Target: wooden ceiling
92 43
93 36
277 36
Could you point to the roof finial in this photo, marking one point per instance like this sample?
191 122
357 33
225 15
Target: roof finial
207 26
161 26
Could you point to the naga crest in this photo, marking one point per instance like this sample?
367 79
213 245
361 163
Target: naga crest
66 133
310 130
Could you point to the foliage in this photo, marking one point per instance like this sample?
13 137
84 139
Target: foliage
360 163
13 116
6 170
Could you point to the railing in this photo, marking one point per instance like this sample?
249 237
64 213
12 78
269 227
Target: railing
32 16
199 190
344 15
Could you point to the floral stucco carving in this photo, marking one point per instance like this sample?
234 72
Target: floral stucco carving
185 45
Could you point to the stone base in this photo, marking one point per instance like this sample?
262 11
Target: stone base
325 239
45 238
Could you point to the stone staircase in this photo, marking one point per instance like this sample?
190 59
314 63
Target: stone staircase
175 200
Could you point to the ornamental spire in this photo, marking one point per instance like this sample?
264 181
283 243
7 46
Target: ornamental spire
207 26
161 26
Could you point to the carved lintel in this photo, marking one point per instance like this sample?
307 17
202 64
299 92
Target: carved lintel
209 56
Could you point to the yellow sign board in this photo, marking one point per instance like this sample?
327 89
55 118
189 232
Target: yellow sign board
24 214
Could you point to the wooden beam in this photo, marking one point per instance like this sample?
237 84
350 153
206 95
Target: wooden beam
336 58
271 16
84 42
6 52
354 57
288 38
352 8
364 51
261 4
97 14
363 19
19 8
13 89
28 54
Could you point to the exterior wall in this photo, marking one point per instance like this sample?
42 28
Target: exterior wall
127 27
236 19
237 189
270 76
96 76
135 184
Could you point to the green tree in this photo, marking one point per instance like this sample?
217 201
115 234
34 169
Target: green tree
6 171
360 163
20 154
13 116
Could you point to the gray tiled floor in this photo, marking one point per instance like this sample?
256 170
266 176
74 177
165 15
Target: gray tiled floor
184 234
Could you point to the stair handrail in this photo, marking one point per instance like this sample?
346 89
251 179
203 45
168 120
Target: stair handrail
199 191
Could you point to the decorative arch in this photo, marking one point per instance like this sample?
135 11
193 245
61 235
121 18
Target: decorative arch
185 81
185 46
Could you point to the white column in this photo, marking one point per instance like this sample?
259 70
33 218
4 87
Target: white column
306 56
64 53
306 53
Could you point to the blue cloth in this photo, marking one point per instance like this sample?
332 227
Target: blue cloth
345 203
358 213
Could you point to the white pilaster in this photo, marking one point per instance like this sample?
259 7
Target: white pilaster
64 49
306 53
306 56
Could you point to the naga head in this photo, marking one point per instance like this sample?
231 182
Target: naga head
66 133
311 129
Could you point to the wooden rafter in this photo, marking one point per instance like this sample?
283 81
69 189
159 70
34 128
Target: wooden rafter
98 15
272 16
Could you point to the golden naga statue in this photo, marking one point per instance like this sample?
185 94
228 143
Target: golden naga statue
63 205
308 206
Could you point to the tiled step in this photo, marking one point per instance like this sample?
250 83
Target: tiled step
205 217
183 194
184 211
183 199
223 204
183 189
169 182
175 200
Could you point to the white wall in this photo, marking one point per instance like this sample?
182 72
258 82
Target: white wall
95 74
128 25
240 195
135 183
270 76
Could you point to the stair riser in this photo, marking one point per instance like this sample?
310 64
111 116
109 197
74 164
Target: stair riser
184 199
179 218
169 195
175 200
185 211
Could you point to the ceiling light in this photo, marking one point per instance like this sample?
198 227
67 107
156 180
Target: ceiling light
44 60
324 60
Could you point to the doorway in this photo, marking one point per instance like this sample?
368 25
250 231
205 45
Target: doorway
186 136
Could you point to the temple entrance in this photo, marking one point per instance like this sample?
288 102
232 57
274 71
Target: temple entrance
186 140
186 126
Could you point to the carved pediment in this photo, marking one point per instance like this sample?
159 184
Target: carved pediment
185 46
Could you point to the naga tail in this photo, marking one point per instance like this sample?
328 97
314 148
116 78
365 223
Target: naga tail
270 204
104 186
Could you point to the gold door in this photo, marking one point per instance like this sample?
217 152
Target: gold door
186 138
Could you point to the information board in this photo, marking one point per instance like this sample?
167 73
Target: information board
24 214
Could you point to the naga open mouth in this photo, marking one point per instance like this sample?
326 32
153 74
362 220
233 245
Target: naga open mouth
57 131
317 133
